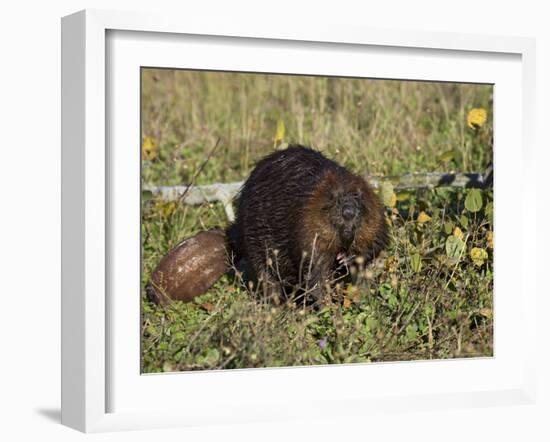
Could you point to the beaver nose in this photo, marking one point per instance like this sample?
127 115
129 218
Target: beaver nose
348 211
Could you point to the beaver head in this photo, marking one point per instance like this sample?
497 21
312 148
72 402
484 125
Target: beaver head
345 215
346 212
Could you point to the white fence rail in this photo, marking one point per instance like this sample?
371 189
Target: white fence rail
225 192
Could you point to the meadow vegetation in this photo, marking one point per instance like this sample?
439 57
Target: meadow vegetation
428 296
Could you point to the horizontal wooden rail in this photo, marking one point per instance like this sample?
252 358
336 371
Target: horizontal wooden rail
225 192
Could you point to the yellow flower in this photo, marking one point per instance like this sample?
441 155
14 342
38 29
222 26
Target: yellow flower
477 118
347 302
391 264
490 240
166 208
280 134
458 233
149 148
479 256
423 217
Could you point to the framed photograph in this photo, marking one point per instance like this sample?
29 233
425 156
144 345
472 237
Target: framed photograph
263 223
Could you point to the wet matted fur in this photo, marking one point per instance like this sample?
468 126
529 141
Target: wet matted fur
299 215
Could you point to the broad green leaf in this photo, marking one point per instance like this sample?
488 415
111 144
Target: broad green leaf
178 336
445 157
411 332
387 194
448 226
464 221
454 246
442 192
146 195
403 196
489 211
474 200
212 356
371 323
416 262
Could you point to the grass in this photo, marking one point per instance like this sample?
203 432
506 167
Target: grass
429 296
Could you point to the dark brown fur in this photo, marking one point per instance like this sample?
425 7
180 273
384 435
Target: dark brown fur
298 214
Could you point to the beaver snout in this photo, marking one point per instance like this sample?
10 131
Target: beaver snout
349 211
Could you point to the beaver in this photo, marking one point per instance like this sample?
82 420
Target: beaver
299 216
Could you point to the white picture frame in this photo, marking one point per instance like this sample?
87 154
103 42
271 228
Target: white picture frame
90 324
